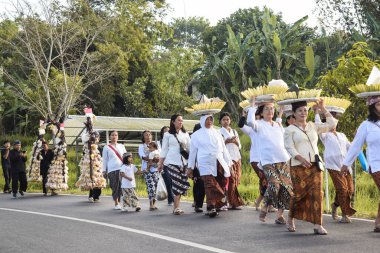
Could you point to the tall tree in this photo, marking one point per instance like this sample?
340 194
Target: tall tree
56 48
353 68
187 32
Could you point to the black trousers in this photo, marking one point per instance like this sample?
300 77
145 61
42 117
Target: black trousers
44 181
95 193
168 183
198 189
16 177
7 178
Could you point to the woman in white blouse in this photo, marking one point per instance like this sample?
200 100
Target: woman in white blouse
173 161
112 161
254 159
164 173
336 146
273 158
208 149
232 141
301 141
368 132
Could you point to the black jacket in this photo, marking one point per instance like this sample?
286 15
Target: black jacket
17 161
5 162
47 157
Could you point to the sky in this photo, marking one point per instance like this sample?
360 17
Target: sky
214 10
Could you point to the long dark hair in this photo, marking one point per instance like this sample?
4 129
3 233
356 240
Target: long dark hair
259 111
172 129
162 132
373 115
142 137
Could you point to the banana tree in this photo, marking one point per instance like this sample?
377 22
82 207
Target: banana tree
283 45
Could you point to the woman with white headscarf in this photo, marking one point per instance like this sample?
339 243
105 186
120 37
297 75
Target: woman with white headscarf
208 148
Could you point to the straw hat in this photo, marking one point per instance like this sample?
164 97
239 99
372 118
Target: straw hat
206 106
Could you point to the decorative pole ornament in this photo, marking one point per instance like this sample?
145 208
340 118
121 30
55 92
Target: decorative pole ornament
91 162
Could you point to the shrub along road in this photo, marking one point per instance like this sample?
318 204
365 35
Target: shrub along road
68 223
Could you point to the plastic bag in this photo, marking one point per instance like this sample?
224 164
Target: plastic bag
363 161
162 193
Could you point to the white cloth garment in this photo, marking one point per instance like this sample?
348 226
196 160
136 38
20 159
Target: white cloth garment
111 161
336 147
297 143
253 152
368 132
270 138
170 148
232 148
144 152
129 171
207 146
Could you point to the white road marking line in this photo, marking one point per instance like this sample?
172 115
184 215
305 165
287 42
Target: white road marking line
132 230
185 201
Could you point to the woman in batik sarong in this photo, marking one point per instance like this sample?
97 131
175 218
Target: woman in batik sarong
173 161
301 140
272 157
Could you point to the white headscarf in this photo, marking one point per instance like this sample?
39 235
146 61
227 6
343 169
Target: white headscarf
215 144
210 134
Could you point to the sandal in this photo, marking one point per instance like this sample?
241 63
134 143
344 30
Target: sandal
321 231
212 213
291 227
345 219
177 211
262 215
272 209
377 229
280 221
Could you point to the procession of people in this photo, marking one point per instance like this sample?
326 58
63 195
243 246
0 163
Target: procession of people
286 160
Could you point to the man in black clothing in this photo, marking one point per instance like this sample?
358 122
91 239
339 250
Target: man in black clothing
18 158
198 187
5 163
46 155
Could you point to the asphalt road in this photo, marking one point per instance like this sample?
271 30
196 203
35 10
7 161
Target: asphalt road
70 224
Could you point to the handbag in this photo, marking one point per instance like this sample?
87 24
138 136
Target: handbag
317 157
182 149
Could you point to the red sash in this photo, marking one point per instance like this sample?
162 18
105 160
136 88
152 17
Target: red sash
116 153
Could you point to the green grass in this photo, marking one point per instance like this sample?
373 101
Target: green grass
366 201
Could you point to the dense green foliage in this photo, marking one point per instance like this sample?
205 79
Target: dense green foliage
154 69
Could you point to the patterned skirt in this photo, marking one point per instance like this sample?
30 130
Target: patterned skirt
179 179
376 178
279 188
306 202
344 188
263 183
129 197
233 195
215 189
151 180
